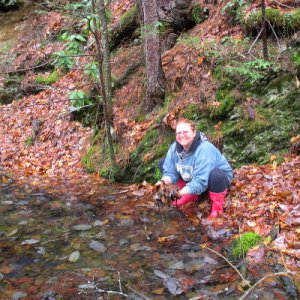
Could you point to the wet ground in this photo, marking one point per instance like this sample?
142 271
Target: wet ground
124 246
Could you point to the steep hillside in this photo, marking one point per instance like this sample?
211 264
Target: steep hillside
216 76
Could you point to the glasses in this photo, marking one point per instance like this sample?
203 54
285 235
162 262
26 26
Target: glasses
182 133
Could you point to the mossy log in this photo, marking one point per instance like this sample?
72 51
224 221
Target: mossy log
277 21
126 26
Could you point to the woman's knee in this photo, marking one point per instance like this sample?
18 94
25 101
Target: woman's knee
218 181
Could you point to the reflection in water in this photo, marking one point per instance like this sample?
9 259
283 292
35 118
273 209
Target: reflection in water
122 245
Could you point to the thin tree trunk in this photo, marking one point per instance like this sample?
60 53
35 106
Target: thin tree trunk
264 32
155 75
102 89
106 57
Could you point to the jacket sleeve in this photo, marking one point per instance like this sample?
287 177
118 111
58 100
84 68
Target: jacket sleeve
169 166
205 161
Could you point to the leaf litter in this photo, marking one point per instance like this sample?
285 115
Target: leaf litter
142 240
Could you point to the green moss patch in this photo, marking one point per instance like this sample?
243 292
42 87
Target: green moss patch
143 163
241 245
129 16
47 79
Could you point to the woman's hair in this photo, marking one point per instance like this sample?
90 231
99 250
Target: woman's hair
186 121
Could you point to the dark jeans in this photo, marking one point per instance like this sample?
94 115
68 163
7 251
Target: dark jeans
217 181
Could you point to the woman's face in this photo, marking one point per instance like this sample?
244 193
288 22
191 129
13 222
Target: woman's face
185 135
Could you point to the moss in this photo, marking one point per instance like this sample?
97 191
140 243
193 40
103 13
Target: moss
243 243
226 105
295 58
192 112
198 15
286 22
193 42
129 16
249 140
88 159
235 10
291 21
47 79
245 127
5 48
143 161
111 173
29 141
96 155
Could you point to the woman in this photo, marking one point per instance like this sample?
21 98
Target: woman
196 165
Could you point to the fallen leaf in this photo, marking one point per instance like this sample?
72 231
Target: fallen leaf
30 242
200 60
74 256
158 291
6 269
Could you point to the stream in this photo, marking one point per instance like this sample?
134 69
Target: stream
114 241
124 246
52 249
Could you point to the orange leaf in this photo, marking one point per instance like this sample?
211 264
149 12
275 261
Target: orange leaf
162 239
200 60
6 269
158 291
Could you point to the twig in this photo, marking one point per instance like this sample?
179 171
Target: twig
258 35
99 290
284 5
28 69
240 274
136 292
261 280
277 40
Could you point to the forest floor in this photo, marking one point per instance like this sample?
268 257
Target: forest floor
262 199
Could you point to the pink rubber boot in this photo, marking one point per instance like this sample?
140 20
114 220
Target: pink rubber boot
185 199
217 203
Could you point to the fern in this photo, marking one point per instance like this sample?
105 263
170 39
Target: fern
190 41
79 99
251 71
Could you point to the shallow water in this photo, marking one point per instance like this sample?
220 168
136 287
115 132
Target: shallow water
125 246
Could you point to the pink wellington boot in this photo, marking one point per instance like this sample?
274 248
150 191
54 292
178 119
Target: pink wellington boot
185 199
217 203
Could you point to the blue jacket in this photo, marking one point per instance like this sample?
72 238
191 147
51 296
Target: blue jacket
195 166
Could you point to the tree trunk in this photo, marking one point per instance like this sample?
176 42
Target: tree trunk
264 30
155 75
106 68
102 87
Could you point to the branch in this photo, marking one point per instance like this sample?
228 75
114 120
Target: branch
277 40
261 280
99 290
240 274
284 5
258 35
136 292
28 69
